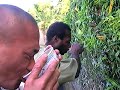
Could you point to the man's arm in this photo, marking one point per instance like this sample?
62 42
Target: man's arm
78 62
68 68
75 51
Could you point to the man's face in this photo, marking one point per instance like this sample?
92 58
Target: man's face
64 45
17 59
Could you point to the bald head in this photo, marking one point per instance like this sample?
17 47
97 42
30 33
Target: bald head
15 24
19 41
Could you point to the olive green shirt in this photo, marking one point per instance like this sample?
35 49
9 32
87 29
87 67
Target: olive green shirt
68 68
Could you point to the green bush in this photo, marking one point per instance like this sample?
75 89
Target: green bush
96 24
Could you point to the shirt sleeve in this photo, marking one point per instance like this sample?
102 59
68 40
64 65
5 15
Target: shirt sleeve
68 68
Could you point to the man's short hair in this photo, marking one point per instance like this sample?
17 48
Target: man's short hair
58 29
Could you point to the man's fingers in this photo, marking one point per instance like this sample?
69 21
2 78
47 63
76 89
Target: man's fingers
56 86
38 67
57 51
50 71
58 54
53 80
49 46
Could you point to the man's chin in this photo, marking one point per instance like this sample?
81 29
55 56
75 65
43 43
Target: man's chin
11 87
11 84
62 53
16 85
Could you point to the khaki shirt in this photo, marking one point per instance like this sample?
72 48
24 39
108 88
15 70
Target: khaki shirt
68 68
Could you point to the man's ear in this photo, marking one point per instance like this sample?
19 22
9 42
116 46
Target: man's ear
55 39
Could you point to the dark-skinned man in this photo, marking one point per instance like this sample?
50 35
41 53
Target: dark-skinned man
59 37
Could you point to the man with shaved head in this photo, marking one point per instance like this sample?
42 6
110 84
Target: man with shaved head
19 42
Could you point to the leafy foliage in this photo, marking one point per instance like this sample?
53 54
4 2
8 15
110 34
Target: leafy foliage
46 13
96 23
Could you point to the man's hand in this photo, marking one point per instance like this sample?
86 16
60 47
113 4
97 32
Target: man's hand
49 80
76 48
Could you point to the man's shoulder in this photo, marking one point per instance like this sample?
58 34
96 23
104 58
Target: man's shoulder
68 63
